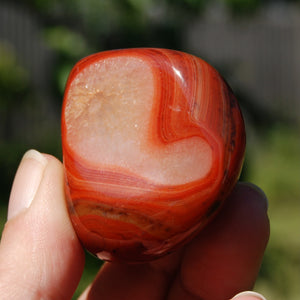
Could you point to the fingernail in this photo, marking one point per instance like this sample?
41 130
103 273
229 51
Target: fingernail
26 182
249 295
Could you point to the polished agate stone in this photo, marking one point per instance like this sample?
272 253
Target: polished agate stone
153 143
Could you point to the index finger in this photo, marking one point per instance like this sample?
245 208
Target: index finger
226 256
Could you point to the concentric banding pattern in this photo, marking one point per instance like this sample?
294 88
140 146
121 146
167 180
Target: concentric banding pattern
129 209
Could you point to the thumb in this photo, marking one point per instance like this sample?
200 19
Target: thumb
40 255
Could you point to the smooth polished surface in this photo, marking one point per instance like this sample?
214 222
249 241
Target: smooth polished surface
153 143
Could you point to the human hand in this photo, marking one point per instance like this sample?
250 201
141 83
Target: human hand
41 257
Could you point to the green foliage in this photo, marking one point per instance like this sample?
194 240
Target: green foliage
276 169
243 7
13 88
13 77
65 41
280 275
115 24
276 164
70 46
92 266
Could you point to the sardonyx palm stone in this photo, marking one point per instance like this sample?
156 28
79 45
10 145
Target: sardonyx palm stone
153 143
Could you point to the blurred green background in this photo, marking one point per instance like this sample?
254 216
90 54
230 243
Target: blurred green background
255 46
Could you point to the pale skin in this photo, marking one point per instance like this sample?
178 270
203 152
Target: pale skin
41 257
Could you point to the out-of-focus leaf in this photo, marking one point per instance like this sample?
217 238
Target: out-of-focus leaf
66 41
13 77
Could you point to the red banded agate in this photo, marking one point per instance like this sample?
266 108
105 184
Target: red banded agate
153 143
